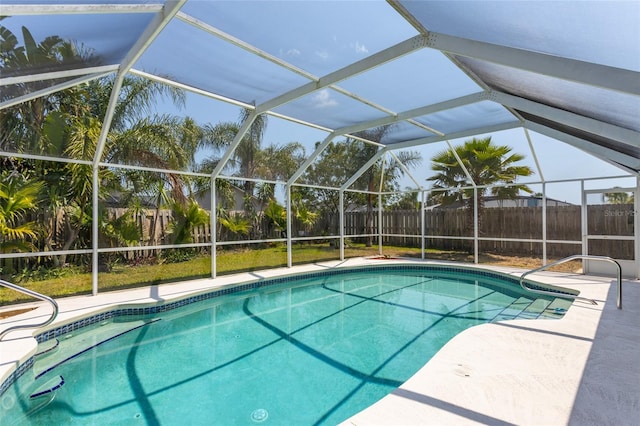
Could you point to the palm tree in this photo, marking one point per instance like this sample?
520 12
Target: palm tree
244 161
487 164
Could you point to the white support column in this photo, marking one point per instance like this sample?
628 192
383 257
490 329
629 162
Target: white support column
341 222
162 19
475 226
213 220
544 223
95 234
584 226
422 224
289 228
380 224
636 225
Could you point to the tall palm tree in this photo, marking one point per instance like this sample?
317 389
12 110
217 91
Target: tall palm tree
245 159
487 164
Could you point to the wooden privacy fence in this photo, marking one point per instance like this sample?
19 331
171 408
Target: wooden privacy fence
403 228
564 223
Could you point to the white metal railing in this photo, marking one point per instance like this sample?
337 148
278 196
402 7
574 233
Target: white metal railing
567 259
37 296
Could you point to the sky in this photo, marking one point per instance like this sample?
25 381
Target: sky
319 40
558 161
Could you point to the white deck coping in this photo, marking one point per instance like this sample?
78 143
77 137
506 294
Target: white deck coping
583 369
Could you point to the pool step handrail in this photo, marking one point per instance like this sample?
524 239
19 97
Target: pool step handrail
37 295
570 258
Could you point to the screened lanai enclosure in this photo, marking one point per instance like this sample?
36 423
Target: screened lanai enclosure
144 142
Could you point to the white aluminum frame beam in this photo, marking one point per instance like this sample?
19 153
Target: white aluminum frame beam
592 74
363 169
304 166
456 135
567 118
534 154
377 59
52 89
154 28
75 9
30 78
267 56
416 112
615 158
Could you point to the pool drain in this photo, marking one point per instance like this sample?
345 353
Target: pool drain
259 415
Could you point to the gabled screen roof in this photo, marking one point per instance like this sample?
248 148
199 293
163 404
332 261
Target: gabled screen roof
434 69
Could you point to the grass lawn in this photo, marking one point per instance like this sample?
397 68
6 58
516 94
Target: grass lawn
124 276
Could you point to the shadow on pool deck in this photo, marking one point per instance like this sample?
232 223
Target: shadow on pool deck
609 392
581 370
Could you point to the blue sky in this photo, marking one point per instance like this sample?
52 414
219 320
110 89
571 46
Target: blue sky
558 160
321 39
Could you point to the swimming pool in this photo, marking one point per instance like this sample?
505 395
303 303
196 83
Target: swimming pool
312 349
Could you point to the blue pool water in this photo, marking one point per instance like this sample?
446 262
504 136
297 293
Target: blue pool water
312 351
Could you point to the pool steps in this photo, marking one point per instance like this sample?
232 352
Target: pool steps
523 308
48 388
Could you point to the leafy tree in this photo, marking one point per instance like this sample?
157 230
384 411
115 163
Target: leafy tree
618 198
340 161
68 123
487 164
404 201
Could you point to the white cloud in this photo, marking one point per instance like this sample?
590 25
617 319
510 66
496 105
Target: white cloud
322 54
293 52
322 99
359 48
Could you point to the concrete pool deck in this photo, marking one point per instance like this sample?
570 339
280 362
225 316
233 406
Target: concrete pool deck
583 369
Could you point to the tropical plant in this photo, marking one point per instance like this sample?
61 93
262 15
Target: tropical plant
244 160
68 123
236 223
487 164
186 217
18 197
277 216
